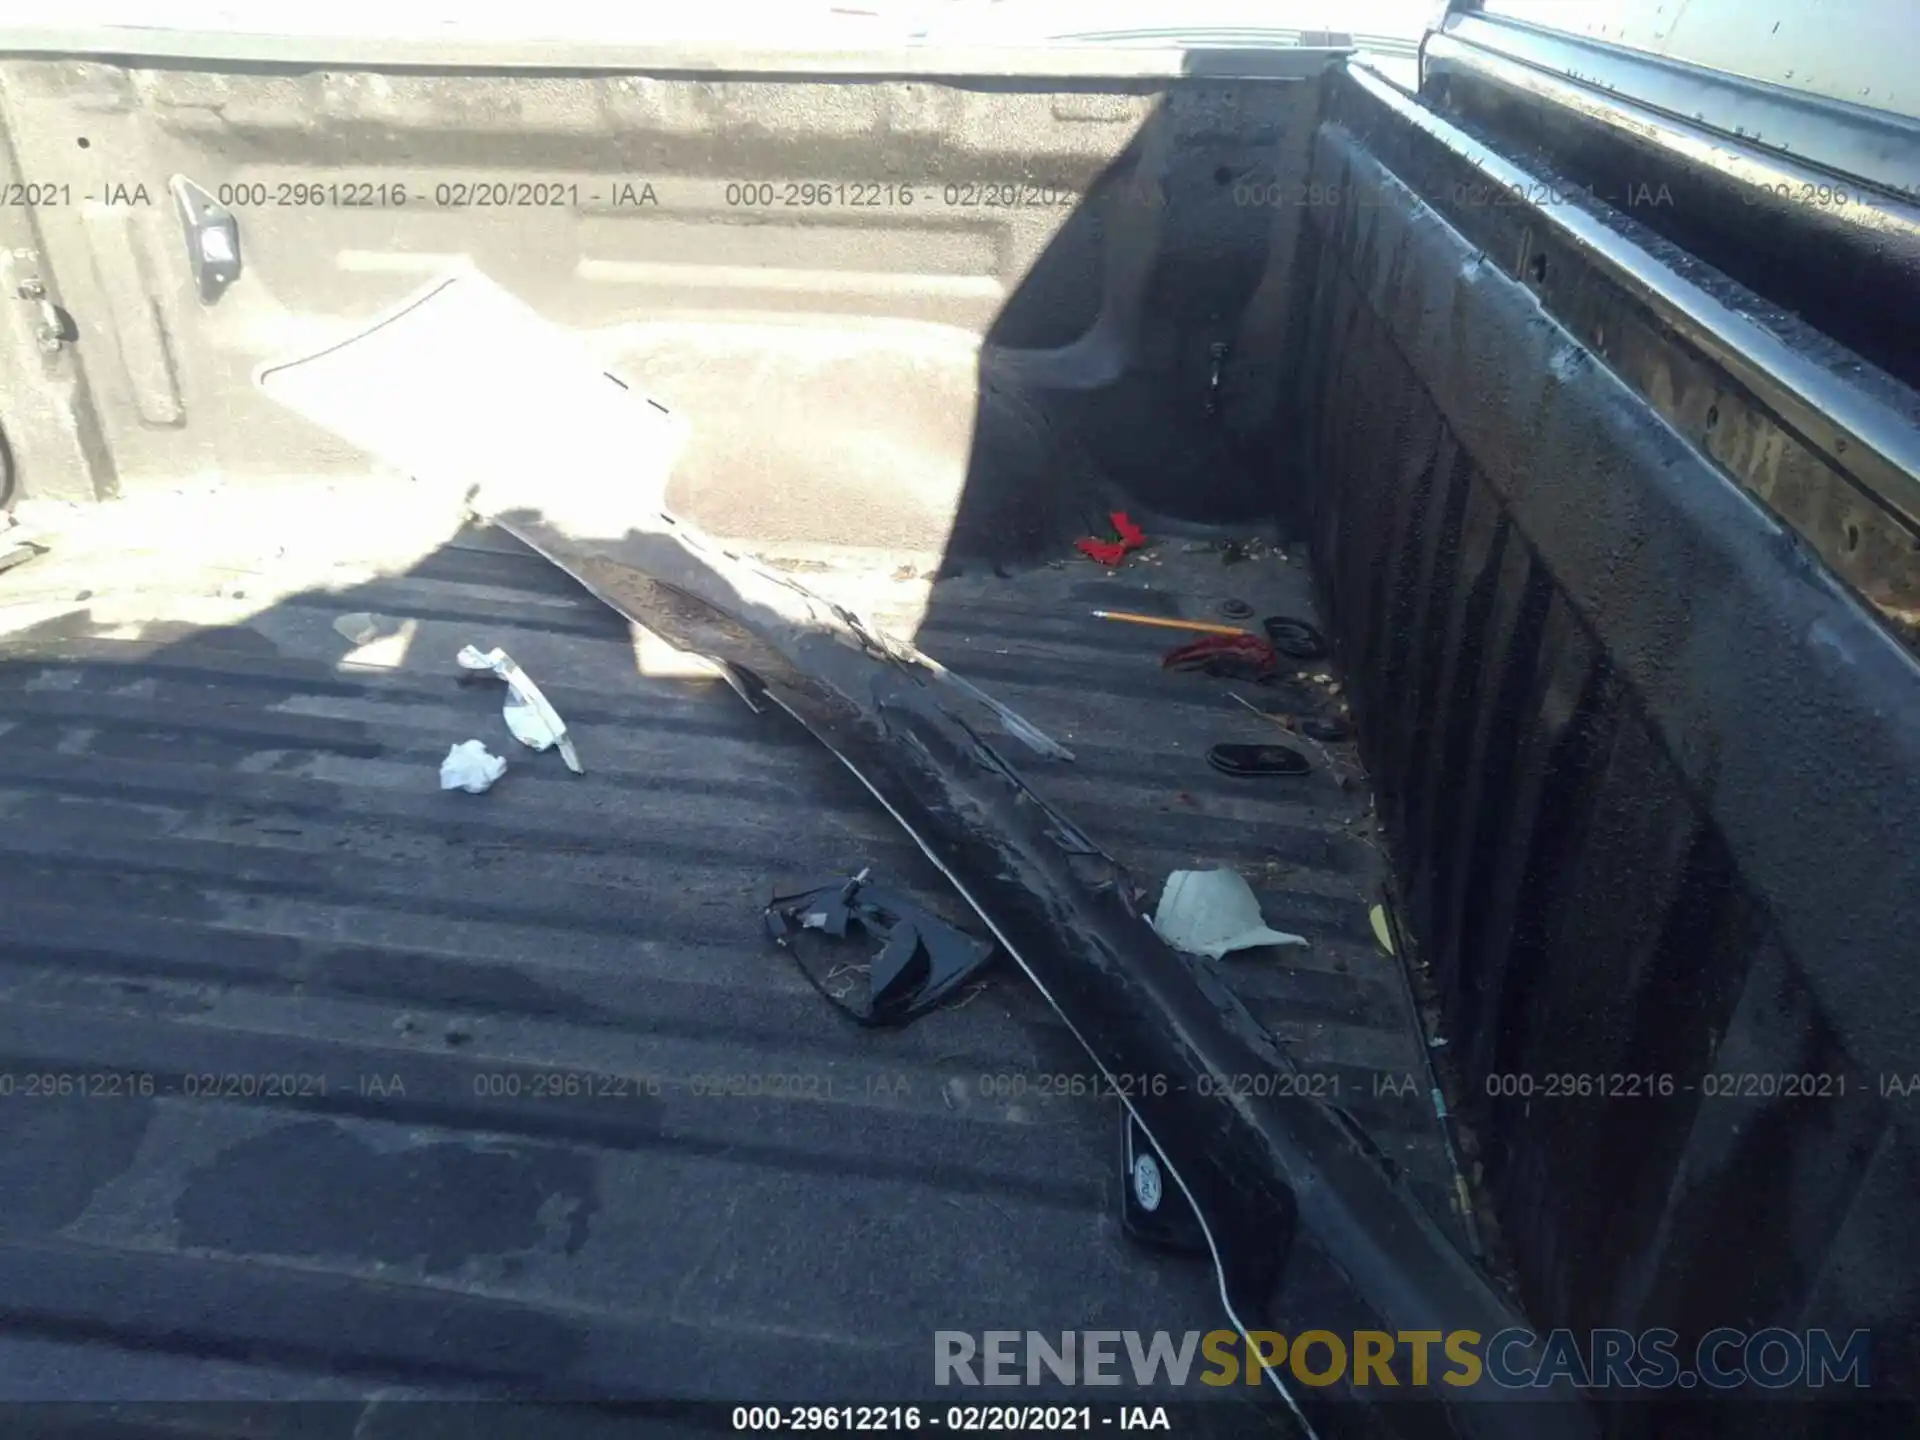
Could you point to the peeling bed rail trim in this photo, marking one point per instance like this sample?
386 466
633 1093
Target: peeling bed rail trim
1864 438
218 47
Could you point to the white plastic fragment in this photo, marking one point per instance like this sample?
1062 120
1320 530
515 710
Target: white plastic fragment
533 721
1210 912
358 628
469 767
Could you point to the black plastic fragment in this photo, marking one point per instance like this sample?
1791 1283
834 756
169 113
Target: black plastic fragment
922 960
830 918
13 555
1295 639
1326 731
891 980
212 235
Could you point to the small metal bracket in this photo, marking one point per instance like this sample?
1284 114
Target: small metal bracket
212 235
51 333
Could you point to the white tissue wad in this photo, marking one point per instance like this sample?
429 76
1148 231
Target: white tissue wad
469 767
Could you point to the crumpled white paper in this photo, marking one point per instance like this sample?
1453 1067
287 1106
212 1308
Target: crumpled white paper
533 721
469 767
1210 912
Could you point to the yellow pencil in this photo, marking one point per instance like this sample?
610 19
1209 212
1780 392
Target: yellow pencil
1202 626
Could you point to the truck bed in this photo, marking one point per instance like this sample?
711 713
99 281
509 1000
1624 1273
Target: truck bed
283 1019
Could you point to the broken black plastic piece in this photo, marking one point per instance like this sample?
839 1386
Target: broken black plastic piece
1326 731
922 960
891 979
12 555
1295 639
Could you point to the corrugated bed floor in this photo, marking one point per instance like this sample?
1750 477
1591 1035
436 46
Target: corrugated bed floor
338 1083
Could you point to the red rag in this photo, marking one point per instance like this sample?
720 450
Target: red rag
1111 552
1248 655
1107 552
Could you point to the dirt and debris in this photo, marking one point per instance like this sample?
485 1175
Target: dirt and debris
1235 552
1326 729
